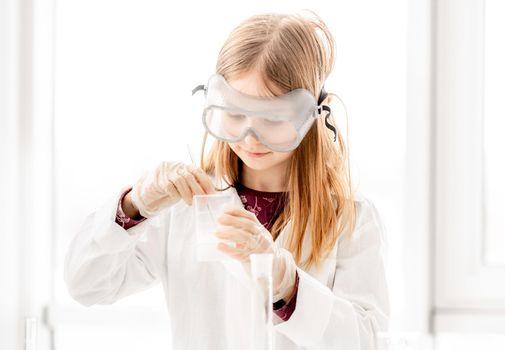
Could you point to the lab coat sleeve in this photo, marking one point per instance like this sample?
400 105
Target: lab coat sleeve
347 314
104 262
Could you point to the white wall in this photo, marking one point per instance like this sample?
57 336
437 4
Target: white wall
25 157
9 317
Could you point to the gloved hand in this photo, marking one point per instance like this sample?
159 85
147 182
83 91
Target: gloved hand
167 184
242 228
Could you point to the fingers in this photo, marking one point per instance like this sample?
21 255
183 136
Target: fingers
188 185
168 183
233 234
238 222
240 212
182 181
192 182
183 189
203 179
246 242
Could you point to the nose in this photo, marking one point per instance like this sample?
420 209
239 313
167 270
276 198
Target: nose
251 140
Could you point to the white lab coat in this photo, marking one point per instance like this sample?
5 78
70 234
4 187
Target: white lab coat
340 306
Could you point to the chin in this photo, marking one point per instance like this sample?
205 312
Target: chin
257 164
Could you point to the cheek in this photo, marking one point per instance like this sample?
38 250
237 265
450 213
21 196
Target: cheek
282 157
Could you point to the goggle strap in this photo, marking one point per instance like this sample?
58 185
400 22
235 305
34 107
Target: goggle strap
326 122
322 96
198 88
321 108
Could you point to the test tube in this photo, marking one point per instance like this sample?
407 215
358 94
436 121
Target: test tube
30 333
261 303
391 341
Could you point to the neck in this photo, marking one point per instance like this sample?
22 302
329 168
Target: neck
268 180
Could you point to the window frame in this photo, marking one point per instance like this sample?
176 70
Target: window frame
469 295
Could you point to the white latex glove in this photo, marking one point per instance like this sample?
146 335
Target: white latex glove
241 227
167 184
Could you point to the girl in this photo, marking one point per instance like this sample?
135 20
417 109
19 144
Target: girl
275 153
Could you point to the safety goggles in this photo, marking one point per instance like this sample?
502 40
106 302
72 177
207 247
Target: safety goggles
278 122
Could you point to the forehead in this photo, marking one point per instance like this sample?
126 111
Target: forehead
252 83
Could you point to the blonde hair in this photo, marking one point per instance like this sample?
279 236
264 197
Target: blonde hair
292 51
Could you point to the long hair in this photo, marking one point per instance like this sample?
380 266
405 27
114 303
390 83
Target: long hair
293 51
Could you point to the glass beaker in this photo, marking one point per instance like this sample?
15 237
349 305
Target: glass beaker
261 301
208 208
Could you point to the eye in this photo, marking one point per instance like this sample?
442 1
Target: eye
236 117
273 122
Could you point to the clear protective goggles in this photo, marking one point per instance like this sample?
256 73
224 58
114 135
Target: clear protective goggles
278 122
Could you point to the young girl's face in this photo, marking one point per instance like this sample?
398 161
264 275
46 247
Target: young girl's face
250 150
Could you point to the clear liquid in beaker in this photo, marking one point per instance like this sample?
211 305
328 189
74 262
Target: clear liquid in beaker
208 208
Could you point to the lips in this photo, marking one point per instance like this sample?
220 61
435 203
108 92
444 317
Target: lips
256 154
